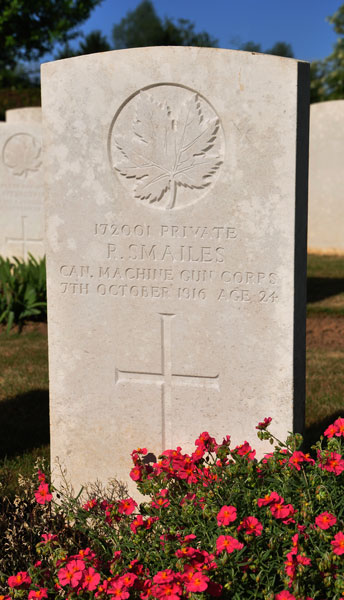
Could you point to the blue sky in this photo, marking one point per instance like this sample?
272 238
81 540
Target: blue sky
302 23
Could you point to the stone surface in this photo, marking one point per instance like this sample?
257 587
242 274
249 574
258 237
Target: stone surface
326 178
176 250
30 114
21 190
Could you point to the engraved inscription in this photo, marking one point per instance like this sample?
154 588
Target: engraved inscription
166 144
22 154
166 379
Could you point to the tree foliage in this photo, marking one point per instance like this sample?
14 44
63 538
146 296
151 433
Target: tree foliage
327 76
278 49
143 27
30 29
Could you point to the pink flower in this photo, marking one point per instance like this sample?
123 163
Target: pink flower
164 576
285 595
128 579
331 430
299 457
252 526
48 537
92 503
127 506
38 594
136 473
245 450
332 462
168 591
269 499
21 579
325 520
197 583
226 515
338 543
72 573
263 424
281 511
91 579
43 495
227 543
41 476
117 590
339 423
137 522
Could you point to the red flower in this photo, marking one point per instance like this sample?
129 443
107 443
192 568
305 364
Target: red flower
127 506
117 590
91 579
331 430
227 543
338 543
136 473
38 594
339 423
226 515
43 495
285 595
128 579
251 525
72 573
281 511
269 499
22 579
168 591
164 576
299 457
90 504
263 424
197 583
48 537
245 450
137 522
325 520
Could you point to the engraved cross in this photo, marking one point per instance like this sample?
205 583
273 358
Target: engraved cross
166 379
23 239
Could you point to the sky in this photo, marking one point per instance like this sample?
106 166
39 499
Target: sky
301 23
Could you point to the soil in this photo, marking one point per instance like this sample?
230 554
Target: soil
325 331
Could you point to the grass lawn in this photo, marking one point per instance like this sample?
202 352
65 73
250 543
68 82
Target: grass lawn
24 374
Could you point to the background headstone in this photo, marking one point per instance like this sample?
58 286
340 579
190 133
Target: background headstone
21 190
326 178
176 184
29 114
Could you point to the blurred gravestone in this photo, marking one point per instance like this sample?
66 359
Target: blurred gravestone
176 186
326 178
21 184
30 114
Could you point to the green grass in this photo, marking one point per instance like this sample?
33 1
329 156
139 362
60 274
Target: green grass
325 285
24 379
24 403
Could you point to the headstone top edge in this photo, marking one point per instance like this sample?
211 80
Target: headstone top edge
167 50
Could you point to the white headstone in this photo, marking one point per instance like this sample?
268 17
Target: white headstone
176 186
326 178
21 190
29 114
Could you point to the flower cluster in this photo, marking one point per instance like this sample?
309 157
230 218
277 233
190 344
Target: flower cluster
216 523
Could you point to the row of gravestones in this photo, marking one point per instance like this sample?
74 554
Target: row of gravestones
176 217
21 181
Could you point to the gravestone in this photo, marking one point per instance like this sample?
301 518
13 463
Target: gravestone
21 187
326 178
28 114
176 183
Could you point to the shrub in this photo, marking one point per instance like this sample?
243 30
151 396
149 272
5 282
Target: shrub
22 291
218 523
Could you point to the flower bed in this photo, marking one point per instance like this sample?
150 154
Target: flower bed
218 523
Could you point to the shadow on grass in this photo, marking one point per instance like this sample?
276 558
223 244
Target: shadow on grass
313 432
319 288
24 423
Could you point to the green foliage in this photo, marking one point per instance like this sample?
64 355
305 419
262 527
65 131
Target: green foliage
30 29
143 27
278 49
94 42
22 291
215 523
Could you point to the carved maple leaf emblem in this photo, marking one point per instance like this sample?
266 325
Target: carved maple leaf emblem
166 152
22 154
